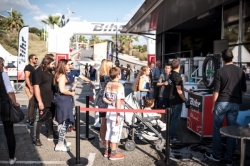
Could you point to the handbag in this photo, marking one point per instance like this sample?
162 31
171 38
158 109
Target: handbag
16 113
101 103
99 96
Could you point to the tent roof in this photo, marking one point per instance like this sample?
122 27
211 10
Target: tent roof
4 53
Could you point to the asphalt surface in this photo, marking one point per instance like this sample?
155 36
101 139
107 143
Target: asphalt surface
191 152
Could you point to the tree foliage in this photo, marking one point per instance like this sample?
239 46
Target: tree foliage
52 21
13 22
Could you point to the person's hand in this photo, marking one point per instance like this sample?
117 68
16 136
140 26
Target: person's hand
73 94
16 104
91 85
40 106
166 83
31 90
113 104
150 90
118 120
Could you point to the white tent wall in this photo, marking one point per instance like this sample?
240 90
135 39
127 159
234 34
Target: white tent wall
245 55
5 54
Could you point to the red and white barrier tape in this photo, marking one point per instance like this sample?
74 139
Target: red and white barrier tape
120 110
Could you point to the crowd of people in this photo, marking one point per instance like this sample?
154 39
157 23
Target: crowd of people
51 89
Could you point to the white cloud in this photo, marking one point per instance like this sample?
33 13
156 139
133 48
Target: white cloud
18 5
32 10
41 17
75 18
51 5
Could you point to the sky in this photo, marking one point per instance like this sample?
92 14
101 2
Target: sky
33 11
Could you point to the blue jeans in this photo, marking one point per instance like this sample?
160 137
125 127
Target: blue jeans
175 117
222 110
163 103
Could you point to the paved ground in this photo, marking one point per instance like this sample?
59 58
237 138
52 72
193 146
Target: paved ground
143 155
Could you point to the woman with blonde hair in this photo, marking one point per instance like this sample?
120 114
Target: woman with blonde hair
64 102
143 84
104 79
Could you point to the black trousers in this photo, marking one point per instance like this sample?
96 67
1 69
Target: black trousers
11 140
47 118
156 95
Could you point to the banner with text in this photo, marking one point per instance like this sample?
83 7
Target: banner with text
22 56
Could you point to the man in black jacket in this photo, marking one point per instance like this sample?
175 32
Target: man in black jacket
229 85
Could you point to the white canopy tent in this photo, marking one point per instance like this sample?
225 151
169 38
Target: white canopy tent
8 57
245 55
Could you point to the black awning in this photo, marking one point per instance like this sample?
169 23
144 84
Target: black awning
145 19
162 15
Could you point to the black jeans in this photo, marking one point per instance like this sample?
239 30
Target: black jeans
11 140
156 94
47 118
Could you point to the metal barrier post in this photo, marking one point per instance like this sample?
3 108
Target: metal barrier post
77 109
87 135
77 160
166 161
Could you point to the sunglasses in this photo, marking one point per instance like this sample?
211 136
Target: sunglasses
36 58
72 63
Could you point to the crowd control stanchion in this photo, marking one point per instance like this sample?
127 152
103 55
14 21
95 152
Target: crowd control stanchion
87 136
166 161
77 160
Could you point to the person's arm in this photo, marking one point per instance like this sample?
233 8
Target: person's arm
37 93
9 89
160 83
215 97
216 88
37 79
180 92
244 85
13 99
61 81
186 90
27 80
120 97
85 79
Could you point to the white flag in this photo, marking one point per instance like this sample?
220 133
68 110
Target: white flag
22 56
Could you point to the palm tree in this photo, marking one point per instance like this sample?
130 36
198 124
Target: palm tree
83 39
52 20
94 39
131 39
14 21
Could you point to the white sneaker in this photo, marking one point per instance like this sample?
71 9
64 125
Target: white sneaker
62 148
12 161
163 127
68 143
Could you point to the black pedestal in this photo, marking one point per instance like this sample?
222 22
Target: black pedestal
163 162
73 162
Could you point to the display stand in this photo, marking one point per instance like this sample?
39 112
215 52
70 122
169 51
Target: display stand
200 116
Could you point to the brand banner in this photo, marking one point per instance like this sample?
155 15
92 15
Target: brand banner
22 56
